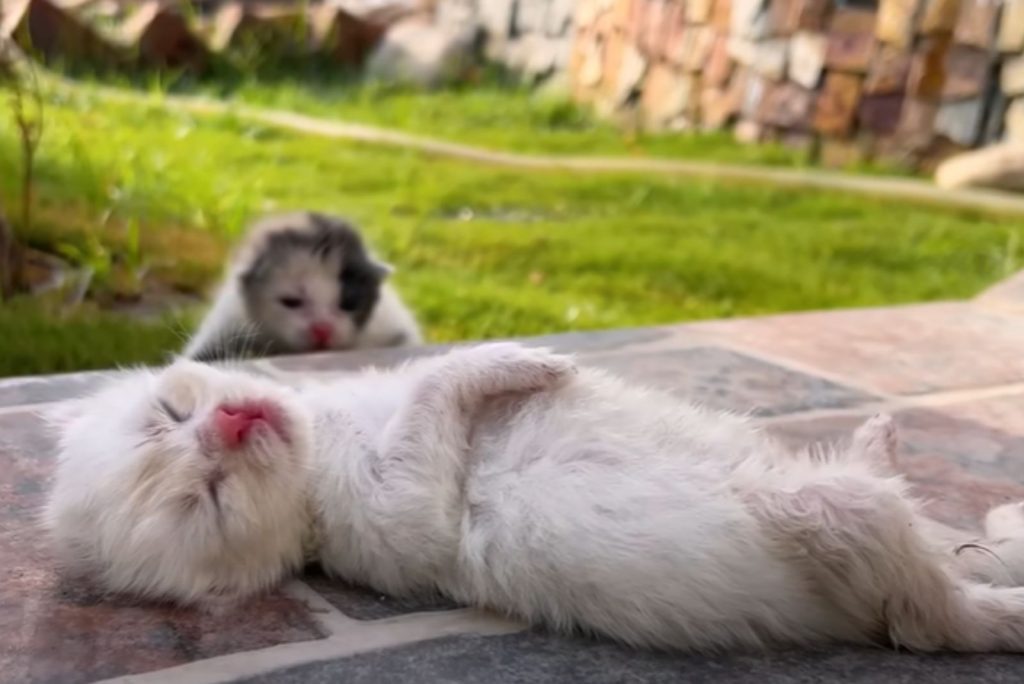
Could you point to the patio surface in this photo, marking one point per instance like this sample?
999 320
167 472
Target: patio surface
953 373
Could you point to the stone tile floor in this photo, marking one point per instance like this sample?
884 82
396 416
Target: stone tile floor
953 373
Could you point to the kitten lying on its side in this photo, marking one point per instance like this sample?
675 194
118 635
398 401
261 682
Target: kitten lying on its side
506 478
303 282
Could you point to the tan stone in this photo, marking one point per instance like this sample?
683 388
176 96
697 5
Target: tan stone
718 108
895 22
1011 78
698 11
720 15
700 41
656 29
888 71
744 18
749 132
938 16
767 57
837 104
622 13
1011 27
997 166
631 73
1013 123
667 95
967 72
976 23
807 58
612 54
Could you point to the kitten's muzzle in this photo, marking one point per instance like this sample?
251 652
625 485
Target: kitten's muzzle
236 423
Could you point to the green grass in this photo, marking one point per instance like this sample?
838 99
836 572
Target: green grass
481 252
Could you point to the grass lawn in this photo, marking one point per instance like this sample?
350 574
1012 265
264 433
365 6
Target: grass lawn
481 252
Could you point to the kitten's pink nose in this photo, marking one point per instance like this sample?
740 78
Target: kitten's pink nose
234 423
321 334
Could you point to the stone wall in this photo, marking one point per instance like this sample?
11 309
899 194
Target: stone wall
908 80
533 37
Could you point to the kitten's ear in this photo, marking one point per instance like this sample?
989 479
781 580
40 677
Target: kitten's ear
382 269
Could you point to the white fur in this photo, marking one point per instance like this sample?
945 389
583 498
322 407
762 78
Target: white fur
505 478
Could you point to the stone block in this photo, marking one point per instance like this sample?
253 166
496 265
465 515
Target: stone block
1011 27
529 17
47 30
895 22
938 16
584 16
1013 121
612 55
785 105
668 94
961 121
814 15
888 71
767 57
807 58
718 108
880 114
637 19
753 90
992 129
698 11
720 64
784 17
348 40
927 72
837 104
968 71
622 13
588 64
977 23
851 40
656 29
496 17
1011 78
745 17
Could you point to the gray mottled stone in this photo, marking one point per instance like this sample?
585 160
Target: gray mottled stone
533 657
362 603
724 379
559 17
529 16
43 389
496 17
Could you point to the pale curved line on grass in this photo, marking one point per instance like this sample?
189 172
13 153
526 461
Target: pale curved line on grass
910 189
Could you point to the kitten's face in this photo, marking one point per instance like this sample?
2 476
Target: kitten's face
184 484
312 286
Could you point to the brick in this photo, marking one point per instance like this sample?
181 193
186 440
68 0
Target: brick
698 11
977 23
938 16
720 64
961 121
967 72
1011 78
1011 27
807 58
927 72
667 95
895 22
721 12
880 114
851 40
837 104
888 71
785 105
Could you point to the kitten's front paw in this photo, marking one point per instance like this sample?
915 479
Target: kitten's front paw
514 367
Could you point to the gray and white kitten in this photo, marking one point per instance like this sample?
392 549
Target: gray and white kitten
303 282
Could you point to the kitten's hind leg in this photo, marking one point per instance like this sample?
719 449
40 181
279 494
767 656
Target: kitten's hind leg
860 540
876 442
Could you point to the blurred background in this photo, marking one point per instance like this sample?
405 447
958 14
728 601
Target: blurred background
138 139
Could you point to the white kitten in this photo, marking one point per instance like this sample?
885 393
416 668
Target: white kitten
506 479
303 282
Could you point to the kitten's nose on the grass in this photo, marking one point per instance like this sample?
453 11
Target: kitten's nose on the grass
234 422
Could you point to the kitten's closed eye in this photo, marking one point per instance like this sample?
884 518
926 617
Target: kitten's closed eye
173 413
290 302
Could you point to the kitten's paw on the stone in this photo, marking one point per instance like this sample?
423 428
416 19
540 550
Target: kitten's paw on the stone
520 368
877 441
